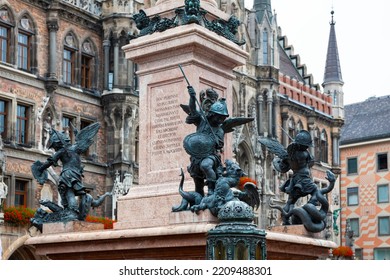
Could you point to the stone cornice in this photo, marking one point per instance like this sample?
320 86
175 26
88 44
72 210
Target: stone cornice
78 94
21 77
70 12
78 16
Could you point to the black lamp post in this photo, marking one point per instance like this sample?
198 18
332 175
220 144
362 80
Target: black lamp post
236 237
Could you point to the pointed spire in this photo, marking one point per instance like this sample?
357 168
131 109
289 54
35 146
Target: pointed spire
262 7
332 68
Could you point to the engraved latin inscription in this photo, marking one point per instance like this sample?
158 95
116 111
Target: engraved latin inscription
166 121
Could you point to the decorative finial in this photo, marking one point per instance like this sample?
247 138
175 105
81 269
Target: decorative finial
332 22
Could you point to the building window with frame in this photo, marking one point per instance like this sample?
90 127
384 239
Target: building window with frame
383 225
24 47
291 129
67 123
21 191
3 118
5 35
382 162
273 49
352 166
87 58
323 152
317 144
381 253
22 121
4 44
110 80
358 253
86 71
354 224
353 196
68 66
265 47
383 193
23 51
69 60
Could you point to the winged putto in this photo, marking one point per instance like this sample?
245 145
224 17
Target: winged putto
298 159
211 118
70 183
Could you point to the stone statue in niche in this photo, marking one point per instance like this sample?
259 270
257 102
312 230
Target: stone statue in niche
297 158
120 189
46 129
70 184
3 186
205 146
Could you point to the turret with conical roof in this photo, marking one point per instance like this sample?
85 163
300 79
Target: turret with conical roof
333 81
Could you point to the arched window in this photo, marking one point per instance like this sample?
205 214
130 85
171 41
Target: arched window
69 60
317 144
5 35
87 64
265 47
291 129
25 44
273 49
323 146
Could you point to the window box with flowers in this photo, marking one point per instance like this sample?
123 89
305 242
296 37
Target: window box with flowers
20 216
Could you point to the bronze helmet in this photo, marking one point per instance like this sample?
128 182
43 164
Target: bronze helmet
220 108
58 137
303 138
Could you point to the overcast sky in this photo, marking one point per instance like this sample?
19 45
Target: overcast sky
363 38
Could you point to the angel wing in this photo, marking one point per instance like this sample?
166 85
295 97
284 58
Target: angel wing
275 147
230 123
250 195
84 137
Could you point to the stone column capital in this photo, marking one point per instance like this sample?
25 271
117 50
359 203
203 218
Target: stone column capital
106 43
52 25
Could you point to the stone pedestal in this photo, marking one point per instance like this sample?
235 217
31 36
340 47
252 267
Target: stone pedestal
207 60
72 226
298 230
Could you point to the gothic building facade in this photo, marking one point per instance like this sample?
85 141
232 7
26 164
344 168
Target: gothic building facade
62 64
